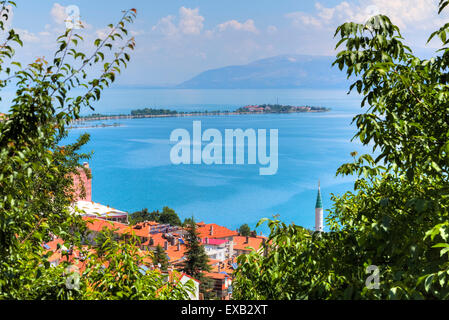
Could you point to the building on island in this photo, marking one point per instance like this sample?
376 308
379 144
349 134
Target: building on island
254 108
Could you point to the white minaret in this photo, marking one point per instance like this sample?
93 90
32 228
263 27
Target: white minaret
319 211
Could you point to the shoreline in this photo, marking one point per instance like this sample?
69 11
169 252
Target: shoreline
199 114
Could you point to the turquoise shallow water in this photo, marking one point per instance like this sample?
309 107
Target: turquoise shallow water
132 169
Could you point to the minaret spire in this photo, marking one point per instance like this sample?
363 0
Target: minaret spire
319 211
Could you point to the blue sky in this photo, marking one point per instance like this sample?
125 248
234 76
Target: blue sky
178 39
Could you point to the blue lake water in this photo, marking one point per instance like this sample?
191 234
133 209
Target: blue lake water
132 169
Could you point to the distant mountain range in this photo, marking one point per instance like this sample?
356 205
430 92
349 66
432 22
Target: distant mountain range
280 72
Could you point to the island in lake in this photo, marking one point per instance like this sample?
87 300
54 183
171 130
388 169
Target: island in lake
251 109
277 108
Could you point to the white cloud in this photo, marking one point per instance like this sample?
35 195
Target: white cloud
326 13
209 34
303 19
422 14
166 26
27 36
103 33
58 13
191 22
272 29
419 14
248 26
44 33
136 33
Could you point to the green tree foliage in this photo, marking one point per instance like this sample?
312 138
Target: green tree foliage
35 184
188 221
196 258
167 216
104 241
396 218
160 257
143 215
149 111
207 288
196 262
119 274
245 230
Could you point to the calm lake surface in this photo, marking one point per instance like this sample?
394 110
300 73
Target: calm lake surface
132 169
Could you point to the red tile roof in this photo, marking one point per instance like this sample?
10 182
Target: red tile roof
216 275
176 254
213 230
240 242
157 240
225 266
97 225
